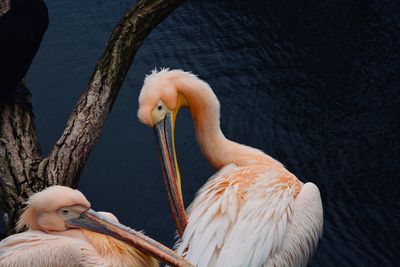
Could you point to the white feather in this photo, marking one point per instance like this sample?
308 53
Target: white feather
222 232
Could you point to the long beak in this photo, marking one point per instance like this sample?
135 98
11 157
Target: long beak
164 131
96 222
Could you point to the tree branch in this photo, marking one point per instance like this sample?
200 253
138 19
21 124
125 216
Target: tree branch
3 6
19 158
21 169
68 157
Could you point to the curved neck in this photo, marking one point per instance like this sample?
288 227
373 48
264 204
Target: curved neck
205 110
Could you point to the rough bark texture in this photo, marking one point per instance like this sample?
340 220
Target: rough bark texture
19 158
22 169
3 6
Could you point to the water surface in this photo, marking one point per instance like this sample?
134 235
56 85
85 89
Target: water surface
314 85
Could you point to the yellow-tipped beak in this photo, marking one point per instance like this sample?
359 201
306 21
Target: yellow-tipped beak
96 222
164 131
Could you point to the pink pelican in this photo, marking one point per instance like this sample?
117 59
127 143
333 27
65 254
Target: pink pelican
55 218
252 212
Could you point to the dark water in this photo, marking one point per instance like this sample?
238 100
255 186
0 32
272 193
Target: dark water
314 84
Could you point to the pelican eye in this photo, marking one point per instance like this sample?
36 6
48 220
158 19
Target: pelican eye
158 112
68 213
65 211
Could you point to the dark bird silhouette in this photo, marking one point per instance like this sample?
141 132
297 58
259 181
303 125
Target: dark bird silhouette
21 32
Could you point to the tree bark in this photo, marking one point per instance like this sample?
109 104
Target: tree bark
22 169
4 6
19 158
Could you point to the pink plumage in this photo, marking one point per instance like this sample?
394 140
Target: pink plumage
47 242
253 211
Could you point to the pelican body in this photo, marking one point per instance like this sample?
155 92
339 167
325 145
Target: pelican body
64 231
253 211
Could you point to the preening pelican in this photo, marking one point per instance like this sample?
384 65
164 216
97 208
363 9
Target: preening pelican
55 218
252 212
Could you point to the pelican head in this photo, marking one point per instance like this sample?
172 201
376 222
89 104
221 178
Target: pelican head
48 210
159 104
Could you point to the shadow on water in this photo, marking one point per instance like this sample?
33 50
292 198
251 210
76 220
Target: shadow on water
312 83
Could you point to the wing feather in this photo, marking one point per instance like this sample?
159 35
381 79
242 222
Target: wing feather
226 228
259 230
304 231
211 215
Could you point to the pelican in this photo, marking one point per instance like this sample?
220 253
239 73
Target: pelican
252 212
61 233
